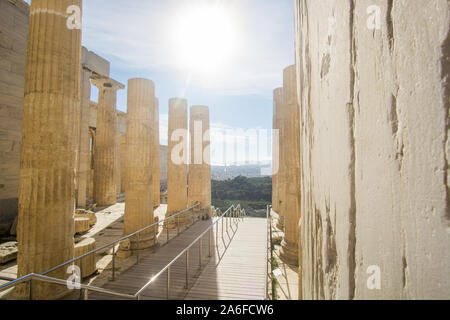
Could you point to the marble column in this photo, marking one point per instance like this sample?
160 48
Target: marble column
277 99
290 155
177 158
47 165
139 166
280 177
117 171
199 180
91 164
105 142
123 154
84 166
156 159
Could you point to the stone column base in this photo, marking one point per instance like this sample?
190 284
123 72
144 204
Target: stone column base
280 223
41 291
143 242
183 220
129 247
289 253
88 264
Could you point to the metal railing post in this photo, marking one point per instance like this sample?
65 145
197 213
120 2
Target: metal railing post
227 215
168 283
138 247
113 262
31 289
187 269
210 238
86 294
167 233
81 278
217 233
200 252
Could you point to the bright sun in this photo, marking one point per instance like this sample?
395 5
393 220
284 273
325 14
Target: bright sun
205 39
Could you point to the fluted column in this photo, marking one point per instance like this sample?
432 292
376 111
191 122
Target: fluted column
199 181
139 166
123 154
177 158
117 171
290 155
47 166
156 159
281 178
84 166
105 142
277 99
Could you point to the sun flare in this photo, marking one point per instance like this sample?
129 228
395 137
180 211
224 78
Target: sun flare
205 39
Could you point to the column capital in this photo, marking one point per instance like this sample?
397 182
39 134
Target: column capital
102 82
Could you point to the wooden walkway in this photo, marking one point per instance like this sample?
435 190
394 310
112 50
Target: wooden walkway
236 270
240 273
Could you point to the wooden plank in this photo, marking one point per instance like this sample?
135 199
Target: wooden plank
241 271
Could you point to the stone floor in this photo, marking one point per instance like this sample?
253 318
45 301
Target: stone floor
287 281
108 228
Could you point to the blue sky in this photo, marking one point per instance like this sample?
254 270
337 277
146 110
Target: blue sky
138 37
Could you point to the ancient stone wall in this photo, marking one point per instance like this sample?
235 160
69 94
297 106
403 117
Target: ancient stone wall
373 79
13 39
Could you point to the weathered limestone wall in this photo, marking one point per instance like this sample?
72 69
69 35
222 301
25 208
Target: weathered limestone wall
374 110
13 39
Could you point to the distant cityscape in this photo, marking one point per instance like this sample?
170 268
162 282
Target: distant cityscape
221 173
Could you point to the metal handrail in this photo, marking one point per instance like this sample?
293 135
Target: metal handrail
42 277
268 260
186 251
266 287
39 277
121 239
